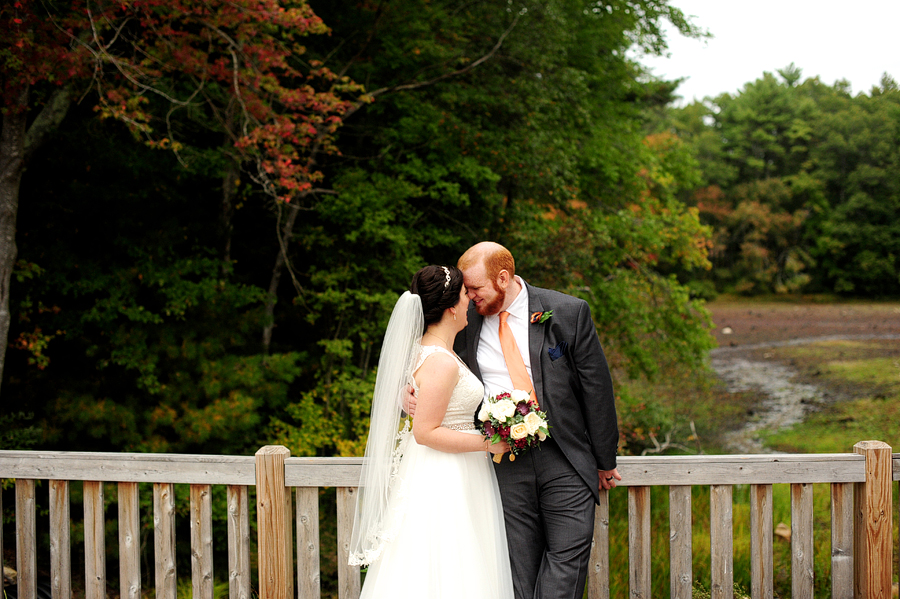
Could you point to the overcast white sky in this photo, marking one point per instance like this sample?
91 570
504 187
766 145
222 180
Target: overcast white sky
856 41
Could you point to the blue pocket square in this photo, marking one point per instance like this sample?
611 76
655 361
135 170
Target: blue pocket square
557 352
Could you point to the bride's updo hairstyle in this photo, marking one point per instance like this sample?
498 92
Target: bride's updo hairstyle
438 287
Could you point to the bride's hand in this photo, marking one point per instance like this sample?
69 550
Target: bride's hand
500 448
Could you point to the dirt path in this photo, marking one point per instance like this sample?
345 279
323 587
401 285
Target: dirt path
744 328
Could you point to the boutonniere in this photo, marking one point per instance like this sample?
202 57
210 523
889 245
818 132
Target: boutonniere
541 317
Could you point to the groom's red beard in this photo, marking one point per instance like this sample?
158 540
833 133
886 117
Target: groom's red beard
493 307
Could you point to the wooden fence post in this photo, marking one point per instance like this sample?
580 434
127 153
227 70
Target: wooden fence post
874 521
273 516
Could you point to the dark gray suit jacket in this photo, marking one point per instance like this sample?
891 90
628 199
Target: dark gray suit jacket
574 389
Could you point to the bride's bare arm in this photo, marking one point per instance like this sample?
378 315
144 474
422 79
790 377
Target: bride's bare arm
436 379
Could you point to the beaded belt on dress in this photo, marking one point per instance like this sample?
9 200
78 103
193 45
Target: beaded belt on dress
465 426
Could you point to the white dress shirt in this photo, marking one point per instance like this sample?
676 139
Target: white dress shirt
494 373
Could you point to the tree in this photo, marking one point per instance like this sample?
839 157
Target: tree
227 67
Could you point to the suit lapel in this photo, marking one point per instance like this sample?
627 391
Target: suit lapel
473 336
536 343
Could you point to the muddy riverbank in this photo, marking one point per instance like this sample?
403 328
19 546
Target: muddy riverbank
745 331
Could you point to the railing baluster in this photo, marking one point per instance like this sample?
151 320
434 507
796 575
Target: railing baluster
26 550
680 542
164 539
308 576
239 542
129 541
201 542
639 542
721 535
348 576
842 540
802 574
60 539
94 541
761 537
598 580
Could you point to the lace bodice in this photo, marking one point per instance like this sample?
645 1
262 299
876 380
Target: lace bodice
466 396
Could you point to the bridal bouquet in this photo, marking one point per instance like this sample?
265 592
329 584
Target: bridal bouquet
515 418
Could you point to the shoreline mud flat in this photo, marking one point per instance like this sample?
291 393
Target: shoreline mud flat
743 329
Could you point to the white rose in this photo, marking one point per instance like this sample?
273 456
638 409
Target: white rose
518 395
484 414
533 422
503 409
518 431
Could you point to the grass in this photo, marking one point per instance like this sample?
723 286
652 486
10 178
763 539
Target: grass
865 372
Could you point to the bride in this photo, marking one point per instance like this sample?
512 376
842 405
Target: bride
429 522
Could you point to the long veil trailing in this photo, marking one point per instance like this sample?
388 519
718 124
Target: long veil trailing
398 353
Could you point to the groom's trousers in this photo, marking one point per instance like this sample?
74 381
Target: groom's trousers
549 513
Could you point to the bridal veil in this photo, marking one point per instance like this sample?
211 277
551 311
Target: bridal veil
398 353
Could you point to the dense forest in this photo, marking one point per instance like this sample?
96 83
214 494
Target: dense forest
800 184
219 202
208 208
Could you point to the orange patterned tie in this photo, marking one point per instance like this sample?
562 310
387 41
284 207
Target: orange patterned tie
514 362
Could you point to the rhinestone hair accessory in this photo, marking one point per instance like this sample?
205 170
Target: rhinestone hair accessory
447 275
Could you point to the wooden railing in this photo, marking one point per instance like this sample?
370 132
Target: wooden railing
861 556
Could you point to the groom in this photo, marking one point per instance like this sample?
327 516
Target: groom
548 493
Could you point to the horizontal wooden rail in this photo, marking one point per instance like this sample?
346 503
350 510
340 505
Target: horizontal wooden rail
646 470
344 472
129 467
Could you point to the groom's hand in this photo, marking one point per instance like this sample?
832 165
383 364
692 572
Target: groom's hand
409 401
608 479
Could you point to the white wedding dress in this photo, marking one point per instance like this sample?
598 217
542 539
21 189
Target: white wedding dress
447 538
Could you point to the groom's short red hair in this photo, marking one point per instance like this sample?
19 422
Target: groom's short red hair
494 256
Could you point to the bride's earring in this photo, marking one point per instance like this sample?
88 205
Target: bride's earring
454 316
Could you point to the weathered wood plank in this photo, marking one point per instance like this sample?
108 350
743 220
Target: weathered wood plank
761 528
348 576
129 541
273 518
874 521
128 467
802 574
336 472
201 542
239 542
60 539
645 470
842 541
94 541
598 575
895 459
318 472
734 470
681 574
309 583
721 542
164 539
26 547
639 542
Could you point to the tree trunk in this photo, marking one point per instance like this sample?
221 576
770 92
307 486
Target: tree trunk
229 190
12 164
284 236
